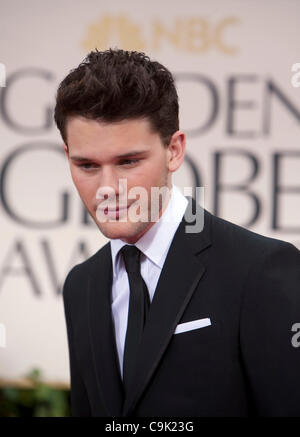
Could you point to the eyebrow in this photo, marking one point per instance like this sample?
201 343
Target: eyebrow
124 155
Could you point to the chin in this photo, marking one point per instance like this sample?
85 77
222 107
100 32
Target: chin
122 231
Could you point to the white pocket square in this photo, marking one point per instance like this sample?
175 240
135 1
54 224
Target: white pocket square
193 324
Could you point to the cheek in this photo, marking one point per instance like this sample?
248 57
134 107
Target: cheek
150 174
142 179
86 186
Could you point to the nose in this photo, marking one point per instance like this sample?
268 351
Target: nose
108 184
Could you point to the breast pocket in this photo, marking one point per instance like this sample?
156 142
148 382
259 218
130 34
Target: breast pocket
198 331
192 325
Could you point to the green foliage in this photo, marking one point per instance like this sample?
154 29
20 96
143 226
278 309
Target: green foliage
39 401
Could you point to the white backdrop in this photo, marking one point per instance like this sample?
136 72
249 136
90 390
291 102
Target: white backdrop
232 62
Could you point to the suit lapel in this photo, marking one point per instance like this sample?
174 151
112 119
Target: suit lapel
102 334
179 277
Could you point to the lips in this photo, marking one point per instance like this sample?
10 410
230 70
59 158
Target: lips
111 210
119 208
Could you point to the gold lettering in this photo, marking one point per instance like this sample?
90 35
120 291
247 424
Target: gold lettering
219 37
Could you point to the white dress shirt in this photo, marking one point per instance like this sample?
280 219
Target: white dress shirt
154 245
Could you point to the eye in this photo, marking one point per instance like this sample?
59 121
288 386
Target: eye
129 161
86 166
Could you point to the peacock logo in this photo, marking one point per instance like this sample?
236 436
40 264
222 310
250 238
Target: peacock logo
114 30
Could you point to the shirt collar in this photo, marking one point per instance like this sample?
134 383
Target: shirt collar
156 241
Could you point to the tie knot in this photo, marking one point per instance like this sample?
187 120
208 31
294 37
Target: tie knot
131 256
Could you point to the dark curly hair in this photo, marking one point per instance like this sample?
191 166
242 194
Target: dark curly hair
115 85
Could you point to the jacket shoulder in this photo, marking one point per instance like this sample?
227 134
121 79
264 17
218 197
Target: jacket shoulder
80 272
237 238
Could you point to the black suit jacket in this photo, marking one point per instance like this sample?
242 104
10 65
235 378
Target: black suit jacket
243 364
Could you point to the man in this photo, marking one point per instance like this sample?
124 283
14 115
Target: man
165 320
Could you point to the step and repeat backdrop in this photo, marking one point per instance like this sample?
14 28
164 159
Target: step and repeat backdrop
237 70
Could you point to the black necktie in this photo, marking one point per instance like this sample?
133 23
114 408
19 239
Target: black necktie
139 303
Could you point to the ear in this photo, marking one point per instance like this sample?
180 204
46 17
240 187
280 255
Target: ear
66 150
176 150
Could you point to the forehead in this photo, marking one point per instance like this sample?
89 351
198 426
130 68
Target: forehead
105 142
81 130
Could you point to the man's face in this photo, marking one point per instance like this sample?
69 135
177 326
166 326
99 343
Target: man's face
98 159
